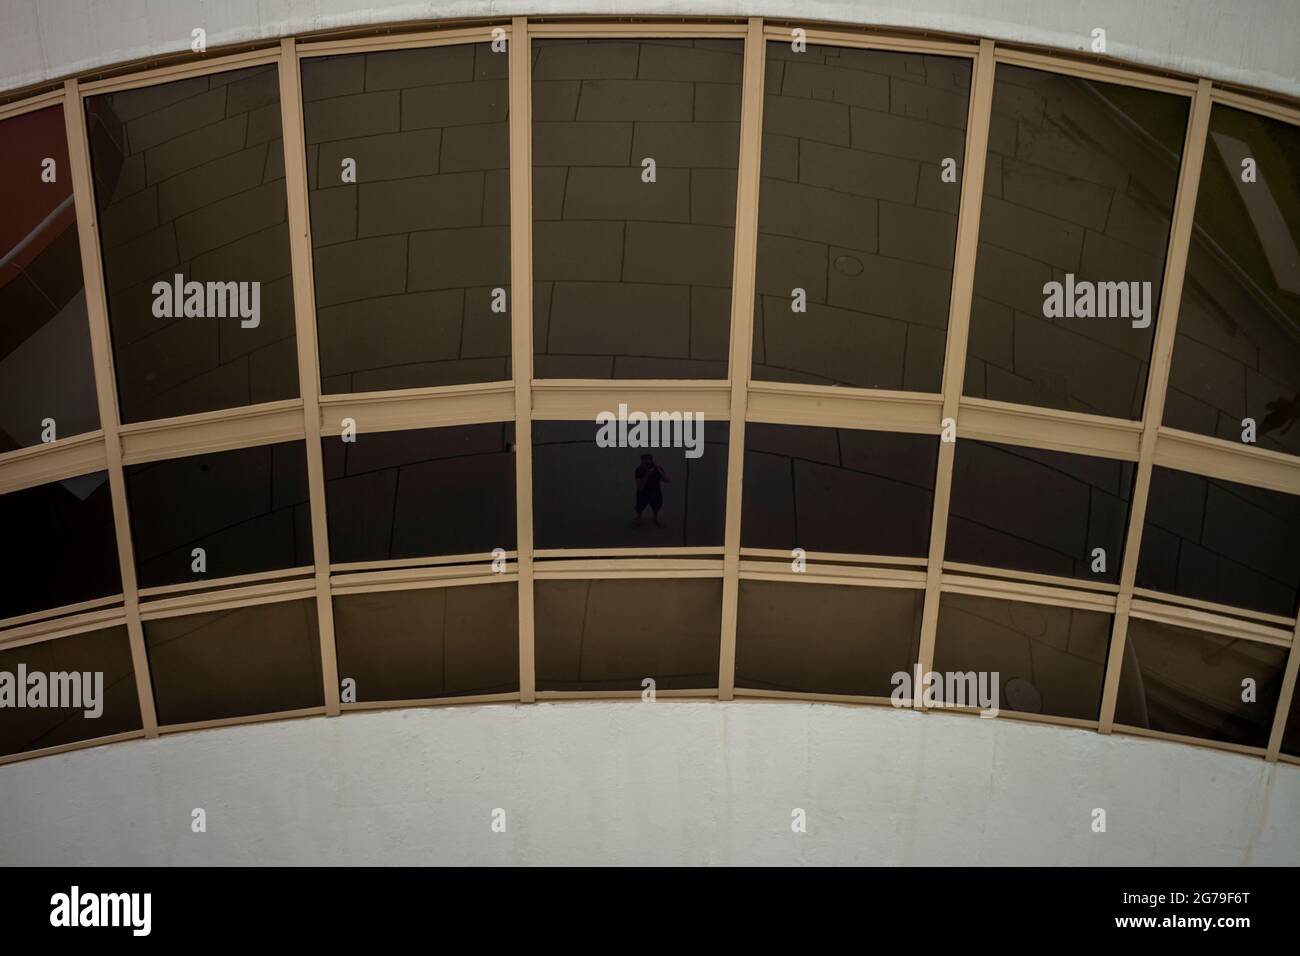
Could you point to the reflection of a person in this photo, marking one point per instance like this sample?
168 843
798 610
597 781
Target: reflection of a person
1281 411
649 476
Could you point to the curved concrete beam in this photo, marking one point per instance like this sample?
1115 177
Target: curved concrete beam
1251 42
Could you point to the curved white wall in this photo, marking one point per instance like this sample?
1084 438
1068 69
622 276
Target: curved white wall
634 783
1243 41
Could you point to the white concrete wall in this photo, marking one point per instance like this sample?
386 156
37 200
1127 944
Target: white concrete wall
672 782
1246 41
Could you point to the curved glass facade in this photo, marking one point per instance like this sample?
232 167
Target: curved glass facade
615 360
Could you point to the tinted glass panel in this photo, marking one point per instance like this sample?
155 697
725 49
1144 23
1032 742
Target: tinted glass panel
1220 541
1078 191
1043 511
588 496
427 492
252 660
612 634
45 367
440 642
189 182
1291 735
1183 681
247 509
824 639
62 545
633 277
407 156
1048 660
839 490
91 672
855 209
1237 353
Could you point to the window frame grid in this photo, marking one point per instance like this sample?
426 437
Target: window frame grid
735 398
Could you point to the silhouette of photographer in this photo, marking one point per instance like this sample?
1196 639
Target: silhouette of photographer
650 477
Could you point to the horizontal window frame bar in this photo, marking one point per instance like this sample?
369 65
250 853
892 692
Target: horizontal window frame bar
209 64
55 461
309 48
1026 592
1226 461
584 399
53 628
373 582
271 423
230 599
1095 71
887 43
1216 624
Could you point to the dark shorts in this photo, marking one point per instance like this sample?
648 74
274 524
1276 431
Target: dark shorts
655 499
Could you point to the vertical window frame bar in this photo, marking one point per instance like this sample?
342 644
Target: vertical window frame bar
101 348
519 47
1162 349
743 277
304 311
959 309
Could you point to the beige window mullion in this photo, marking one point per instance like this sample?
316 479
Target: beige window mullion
106 389
304 303
577 399
1284 699
521 332
1216 458
480 403
742 338
42 464
188 68
1180 237
954 366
